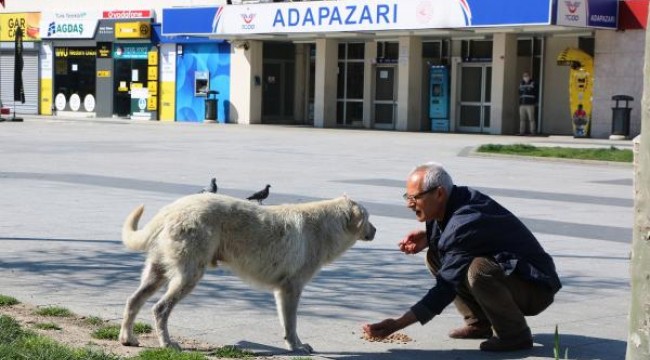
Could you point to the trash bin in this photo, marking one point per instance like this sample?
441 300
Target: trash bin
621 116
211 105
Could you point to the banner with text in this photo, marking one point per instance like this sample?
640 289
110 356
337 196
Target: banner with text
336 16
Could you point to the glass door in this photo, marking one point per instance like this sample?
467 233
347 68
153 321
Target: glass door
385 103
475 96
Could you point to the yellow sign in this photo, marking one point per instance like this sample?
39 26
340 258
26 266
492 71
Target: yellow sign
153 57
103 73
152 73
136 85
153 87
29 22
167 101
46 96
152 102
580 88
133 30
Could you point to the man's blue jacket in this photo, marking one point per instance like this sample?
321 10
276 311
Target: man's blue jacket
477 226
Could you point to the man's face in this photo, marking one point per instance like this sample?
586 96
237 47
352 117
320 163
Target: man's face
427 206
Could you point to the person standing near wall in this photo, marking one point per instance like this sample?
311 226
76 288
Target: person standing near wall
527 102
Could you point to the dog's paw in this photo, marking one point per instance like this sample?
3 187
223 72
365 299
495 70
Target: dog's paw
173 345
302 349
129 340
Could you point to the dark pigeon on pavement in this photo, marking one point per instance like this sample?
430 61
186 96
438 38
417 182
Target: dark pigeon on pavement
212 188
260 195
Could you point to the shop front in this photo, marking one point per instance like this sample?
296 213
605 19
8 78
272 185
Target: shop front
69 63
29 23
126 61
199 68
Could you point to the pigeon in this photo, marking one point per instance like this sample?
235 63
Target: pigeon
212 188
260 195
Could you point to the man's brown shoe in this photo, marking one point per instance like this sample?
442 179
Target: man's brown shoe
472 332
523 342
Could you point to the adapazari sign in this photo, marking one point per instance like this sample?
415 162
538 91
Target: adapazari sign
336 16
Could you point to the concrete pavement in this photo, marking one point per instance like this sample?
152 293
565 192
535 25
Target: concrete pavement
67 184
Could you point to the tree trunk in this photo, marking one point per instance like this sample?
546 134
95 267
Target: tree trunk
638 342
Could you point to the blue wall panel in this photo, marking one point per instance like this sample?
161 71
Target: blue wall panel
211 57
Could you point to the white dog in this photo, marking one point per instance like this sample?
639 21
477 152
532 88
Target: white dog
278 247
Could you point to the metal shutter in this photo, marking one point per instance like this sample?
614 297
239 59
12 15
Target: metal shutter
30 83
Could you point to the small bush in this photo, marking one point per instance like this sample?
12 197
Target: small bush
8 300
54 311
110 332
94 320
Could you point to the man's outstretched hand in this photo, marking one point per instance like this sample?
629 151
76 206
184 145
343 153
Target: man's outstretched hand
414 242
381 329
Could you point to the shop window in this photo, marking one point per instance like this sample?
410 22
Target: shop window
350 82
477 50
74 78
436 52
387 52
279 50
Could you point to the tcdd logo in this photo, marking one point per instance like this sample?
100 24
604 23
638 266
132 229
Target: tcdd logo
248 19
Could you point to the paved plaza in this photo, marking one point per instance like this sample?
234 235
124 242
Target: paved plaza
66 186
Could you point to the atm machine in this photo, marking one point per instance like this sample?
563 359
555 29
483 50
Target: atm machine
439 98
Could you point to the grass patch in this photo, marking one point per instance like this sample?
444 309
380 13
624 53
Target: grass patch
230 351
55 311
47 326
18 343
112 332
168 354
8 300
601 154
94 320
10 330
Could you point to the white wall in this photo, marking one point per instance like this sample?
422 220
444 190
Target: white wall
619 71
556 112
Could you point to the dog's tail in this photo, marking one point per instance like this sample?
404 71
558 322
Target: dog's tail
133 238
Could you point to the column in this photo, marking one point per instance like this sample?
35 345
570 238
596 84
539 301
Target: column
504 115
325 87
409 84
246 82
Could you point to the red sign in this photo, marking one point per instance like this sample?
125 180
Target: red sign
127 14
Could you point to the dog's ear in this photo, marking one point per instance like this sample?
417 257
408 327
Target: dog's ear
357 217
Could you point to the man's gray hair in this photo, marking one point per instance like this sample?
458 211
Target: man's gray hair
434 175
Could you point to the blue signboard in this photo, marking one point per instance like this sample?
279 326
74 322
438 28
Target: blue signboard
370 15
188 21
378 15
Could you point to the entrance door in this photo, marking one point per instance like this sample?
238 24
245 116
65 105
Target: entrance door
277 91
127 72
385 105
475 95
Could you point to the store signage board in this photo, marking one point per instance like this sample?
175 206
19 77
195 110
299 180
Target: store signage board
69 25
369 15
